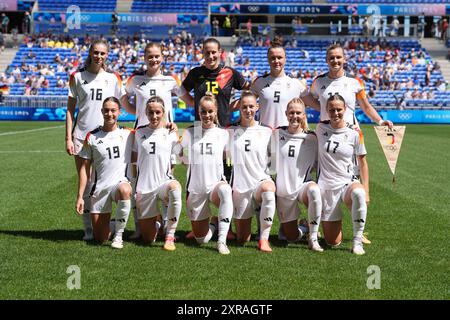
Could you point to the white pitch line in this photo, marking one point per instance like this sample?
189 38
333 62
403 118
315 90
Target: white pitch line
31 151
27 131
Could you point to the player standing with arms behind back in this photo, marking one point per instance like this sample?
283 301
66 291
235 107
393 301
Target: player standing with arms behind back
276 89
88 87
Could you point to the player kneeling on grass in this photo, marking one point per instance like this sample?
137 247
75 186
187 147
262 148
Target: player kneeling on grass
338 143
153 147
294 156
108 150
253 189
203 150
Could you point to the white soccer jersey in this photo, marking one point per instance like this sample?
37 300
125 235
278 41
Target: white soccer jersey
109 152
154 149
337 148
294 157
91 90
203 151
249 151
143 87
274 95
350 88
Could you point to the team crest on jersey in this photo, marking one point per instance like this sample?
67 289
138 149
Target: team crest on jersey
288 85
106 82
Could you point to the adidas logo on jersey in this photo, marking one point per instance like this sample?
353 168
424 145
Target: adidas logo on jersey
282 138
85 82
143 137
326 134
267 85
142 84
100 141
323 88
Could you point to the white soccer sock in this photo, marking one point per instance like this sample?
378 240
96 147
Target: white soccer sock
173 212
87 222
267 213
225 211
135 215
122 213
359 211
209 235
314 211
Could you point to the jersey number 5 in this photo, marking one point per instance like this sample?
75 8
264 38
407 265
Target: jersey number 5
276 96
212 86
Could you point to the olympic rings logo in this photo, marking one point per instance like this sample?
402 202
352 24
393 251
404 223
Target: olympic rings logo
253 9
405 116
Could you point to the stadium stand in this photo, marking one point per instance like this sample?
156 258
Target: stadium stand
389 82
85 5
193 6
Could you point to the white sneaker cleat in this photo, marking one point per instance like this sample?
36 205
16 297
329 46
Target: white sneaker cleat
222 247
314 245
88 235
357 247
117 243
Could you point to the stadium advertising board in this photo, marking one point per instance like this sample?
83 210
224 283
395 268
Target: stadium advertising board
352 9
92 18
187 115
8 5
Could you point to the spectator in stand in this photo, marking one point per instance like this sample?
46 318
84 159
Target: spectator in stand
4 23
416 94
215 27
26 23
444 30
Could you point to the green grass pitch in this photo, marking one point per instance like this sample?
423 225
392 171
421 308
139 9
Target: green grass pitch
40 235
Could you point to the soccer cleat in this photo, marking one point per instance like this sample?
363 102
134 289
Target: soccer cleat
264 245
222 247
365 240
169 244
190 235
357 247
117 242
314 245
88 235
303 227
